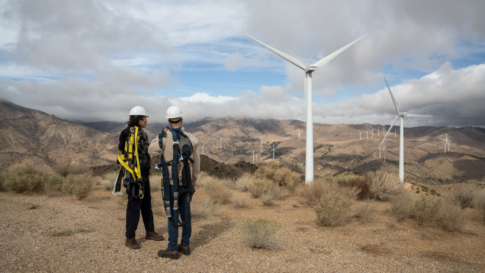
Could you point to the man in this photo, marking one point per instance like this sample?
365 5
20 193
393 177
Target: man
138 118
175 120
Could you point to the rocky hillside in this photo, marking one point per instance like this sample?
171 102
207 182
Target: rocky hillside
34 137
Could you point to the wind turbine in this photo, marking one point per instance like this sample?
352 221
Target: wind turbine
372 133
298 135
401 115
273 151
253 155
203 148
360 135
367 134
309 168
378 132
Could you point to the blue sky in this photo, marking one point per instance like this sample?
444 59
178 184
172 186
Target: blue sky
94 60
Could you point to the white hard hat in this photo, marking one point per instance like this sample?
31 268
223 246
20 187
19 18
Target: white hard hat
174 112
138 111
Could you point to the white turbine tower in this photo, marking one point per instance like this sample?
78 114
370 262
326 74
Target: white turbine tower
372 133
203 148
378 132
273 151
221 143
253 155
309 168
298 135
401 115
367 134
360 135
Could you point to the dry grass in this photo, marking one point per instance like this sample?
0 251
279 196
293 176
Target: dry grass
201 179
205 210
267 200
425 209
80 185
352 180
65 169
69 232
464 197
240 203
384 186
451 217
259 186
479 206
260 233
313 192
281 176
365 212
333 209
21 178
216 191
108 180
243 182
402 205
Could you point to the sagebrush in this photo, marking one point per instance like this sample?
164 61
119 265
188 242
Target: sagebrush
260 233
333 209
352 180
384 186
216 191
243 182
259 186
205 210
281 176
80 185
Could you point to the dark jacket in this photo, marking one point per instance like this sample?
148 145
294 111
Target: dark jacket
143 144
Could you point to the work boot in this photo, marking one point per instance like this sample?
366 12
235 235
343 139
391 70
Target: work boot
132 243
152 235
165 253
183 249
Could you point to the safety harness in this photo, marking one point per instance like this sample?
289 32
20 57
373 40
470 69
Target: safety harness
182 150
131 165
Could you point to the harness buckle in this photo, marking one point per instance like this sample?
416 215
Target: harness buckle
176 142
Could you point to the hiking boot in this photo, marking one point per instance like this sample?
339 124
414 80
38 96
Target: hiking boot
183 249
132 243
165 253
152 235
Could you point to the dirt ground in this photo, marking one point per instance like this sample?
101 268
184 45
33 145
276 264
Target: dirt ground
382 245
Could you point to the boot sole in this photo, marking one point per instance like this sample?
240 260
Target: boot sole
173 258
132 247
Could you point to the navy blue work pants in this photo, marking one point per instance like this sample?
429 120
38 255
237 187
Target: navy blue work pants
136 205
173 232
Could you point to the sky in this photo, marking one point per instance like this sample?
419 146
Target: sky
93 60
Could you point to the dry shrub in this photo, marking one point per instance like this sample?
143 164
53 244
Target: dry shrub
267 200
205 210
108 180
80 185
464 197
352 180
314 191
216 191
333 209
479 206
201 179
62 169
365 212
25 178
243 182
281 176
258 187
65 169
260 233
240 203
425 209
402 205
229 183
450 217
384 186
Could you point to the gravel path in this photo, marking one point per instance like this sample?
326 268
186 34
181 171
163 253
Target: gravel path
27 244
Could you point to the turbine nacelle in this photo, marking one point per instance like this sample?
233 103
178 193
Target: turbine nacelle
311 68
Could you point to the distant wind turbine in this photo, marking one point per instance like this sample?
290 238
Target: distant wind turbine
401 115
367 134
309 167
221 143
377 132
253 155
203 148
360 135
298 135
273 151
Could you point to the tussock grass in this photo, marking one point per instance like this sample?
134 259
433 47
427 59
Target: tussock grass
70 232
201 179
384 186
80 185
333 209
243 182
205 210
240 203
216 191
260 233
281 176
259 186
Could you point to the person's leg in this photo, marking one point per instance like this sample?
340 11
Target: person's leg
146 206
187 229
132 215
173 232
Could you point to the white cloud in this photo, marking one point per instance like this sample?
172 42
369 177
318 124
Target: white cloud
234 61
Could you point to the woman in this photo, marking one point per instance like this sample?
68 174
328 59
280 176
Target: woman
138 118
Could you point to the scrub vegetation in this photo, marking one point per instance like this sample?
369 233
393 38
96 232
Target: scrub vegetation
260 233
206 210
216 191
22 178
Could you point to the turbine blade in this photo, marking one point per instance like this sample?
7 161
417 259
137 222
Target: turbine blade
285 56
336 53
418 116
389 130
392 96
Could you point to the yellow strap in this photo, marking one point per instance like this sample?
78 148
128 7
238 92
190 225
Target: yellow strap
124 163
137 167
121 158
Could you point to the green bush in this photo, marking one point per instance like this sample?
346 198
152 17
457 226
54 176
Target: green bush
80 185
333 209
260 233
